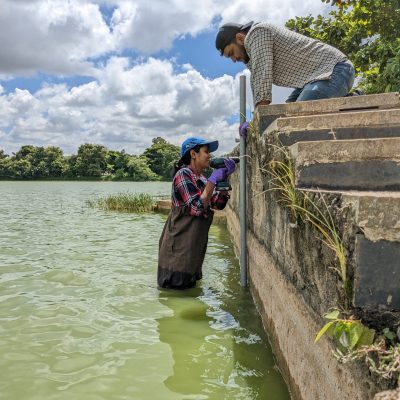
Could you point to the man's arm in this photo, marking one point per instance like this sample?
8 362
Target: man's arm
260 49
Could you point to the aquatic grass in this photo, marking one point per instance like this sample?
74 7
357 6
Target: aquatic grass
125 202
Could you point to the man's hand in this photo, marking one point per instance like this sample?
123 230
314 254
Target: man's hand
263 103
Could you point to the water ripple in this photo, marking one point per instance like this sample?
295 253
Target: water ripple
81 316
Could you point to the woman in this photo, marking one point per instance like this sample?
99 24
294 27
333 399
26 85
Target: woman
183 242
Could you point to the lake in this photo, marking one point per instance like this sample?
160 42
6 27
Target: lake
81 316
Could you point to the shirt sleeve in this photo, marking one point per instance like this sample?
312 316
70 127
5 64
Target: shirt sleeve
219 200
189 192
260 46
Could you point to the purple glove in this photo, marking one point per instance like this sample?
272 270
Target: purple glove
243 128
217 175
230 166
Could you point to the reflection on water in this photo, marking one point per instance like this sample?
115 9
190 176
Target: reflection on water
219 348
81 316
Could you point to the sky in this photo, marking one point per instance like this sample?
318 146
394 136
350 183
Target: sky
121 72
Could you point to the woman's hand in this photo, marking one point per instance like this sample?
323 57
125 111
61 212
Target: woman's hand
217 175
230 166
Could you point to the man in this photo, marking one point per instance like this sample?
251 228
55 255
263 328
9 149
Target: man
276 55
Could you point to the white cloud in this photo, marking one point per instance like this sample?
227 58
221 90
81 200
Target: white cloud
243 11
55 36
150 26
63 36
129 101
125 108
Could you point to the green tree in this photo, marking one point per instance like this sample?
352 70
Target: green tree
368 32
161 157
56 163
6 171
139 170
16 169
91 161
3 154
117 161
45 162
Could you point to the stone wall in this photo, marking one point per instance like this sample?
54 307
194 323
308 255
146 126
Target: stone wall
292 273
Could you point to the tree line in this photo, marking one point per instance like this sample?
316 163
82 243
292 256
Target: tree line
92 161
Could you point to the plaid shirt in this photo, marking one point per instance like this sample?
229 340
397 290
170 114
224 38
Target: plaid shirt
187 188
286 58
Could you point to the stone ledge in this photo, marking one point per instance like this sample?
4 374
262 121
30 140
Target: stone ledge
378 101
265 115
343 120
306 153
377 274
364 164
371 212
349 133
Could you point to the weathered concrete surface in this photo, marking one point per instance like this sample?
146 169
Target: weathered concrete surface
310 369
294 284
377 273
342 120
388 395
293 274
369 164
267 114
377 214
287 138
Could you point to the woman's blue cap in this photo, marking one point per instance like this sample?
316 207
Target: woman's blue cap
192 142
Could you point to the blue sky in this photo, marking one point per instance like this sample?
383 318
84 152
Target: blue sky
120 72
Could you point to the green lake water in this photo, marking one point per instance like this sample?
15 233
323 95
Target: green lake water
81 316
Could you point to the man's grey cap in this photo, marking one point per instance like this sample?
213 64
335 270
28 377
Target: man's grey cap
227 33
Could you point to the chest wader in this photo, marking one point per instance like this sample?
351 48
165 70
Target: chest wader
182 247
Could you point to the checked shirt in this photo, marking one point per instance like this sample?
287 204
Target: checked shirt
187 188
286 58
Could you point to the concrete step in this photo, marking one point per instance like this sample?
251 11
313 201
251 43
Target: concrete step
376 274
377 248
265 115
351 125
362 164
371 212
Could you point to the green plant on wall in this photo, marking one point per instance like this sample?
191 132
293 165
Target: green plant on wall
302 208
355 341
283 181
321 219
347 334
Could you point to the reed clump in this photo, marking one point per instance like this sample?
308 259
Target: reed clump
124 202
